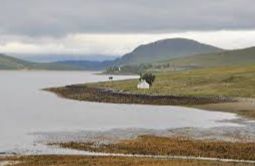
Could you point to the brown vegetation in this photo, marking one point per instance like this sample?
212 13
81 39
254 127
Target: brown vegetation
243 107
153 145
52 160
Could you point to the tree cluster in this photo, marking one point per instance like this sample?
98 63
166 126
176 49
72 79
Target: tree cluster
148 77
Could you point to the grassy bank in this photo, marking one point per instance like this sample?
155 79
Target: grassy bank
153 145
109 161
221 81
211 88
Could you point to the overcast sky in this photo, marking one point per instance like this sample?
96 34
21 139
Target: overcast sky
117 26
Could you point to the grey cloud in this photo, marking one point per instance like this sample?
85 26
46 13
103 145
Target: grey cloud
61 17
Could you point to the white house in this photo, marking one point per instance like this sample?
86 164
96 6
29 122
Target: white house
143 85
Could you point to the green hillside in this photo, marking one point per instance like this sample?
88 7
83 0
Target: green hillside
7 63
165 50
230 81
11 63
161 55
239 57
225 58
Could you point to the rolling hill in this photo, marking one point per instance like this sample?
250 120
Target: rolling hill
7 62
225 58
10 63
165 50
160 55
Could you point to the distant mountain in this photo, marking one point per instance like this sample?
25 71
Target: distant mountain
63 57
165 50
169 52
225 58
11 63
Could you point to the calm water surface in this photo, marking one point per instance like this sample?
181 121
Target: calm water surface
25 109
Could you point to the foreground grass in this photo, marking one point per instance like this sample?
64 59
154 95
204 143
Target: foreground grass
153 145
109 161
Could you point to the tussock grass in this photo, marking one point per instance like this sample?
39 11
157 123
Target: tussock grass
153 145
110 161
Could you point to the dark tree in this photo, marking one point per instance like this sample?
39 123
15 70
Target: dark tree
148 77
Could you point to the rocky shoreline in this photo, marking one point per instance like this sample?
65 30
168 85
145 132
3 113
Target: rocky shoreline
87 93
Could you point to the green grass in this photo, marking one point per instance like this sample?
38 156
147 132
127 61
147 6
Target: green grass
220 81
